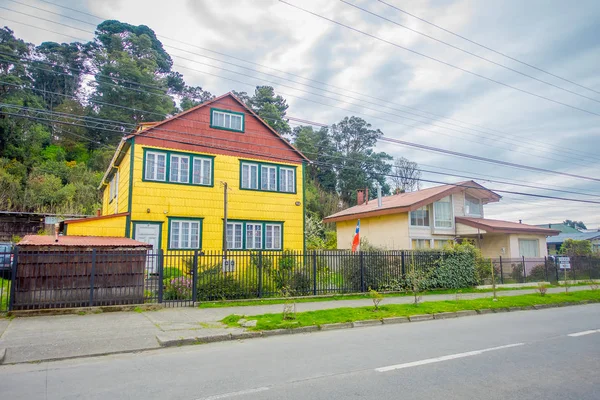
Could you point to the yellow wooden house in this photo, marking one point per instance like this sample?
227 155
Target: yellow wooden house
165 184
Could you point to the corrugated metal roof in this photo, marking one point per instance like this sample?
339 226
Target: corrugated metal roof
80 241
575 236
496 225
407 201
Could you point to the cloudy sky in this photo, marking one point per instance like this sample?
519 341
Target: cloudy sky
327 71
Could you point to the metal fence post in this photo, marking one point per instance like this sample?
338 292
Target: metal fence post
195 277
13 280
314 262
362 271
403 268
92 275
260 280
161 275
501 274
524 270
556 268
546 268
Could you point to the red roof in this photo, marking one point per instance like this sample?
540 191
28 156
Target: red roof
404 202
80 241
495 225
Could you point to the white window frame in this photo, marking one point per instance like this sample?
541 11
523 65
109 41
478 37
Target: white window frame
179 178
468 207
251 239
537 247
285 185
417 239
424 208
202 160
180 245
234 226
250 183
154 166
271 181
272 226
451 214
112 190
227 120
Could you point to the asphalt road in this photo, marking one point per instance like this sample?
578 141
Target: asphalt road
546 354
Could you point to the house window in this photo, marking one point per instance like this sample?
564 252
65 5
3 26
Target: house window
156 165
268 178
442 213
439 244
529 248
113 187
254 236
249 176
184 234
202 171
420 217
473 206
287 181
180 169
273 237
223 119
421 244
234 236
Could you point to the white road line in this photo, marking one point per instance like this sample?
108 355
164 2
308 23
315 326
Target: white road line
445 358
583 333
233 394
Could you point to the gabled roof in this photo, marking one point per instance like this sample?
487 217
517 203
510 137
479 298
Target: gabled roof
80 241
560 227
575 236
498 226
404 202
153 125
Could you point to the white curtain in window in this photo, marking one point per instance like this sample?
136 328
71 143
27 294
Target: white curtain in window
443 213
529 248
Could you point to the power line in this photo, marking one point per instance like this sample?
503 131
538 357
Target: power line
325 164
489 48
468 52
440 61
263 66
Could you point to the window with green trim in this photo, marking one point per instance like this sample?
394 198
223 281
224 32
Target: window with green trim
224 119
267 177
183 168
184 234
254 235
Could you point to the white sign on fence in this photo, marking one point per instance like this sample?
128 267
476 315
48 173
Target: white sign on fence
564 262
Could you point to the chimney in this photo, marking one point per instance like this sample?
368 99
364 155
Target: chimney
520 221
378 195
360 197
98 213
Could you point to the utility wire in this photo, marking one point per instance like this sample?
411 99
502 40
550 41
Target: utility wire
263 66
467 51
489 48
439 60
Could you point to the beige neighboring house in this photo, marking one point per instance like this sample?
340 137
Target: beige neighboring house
429 218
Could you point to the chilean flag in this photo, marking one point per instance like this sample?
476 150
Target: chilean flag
356 240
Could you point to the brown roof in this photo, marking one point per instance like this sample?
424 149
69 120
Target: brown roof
80 241
404 202
123 214
495 225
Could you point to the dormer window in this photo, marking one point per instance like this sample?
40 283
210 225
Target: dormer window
227 120
473 206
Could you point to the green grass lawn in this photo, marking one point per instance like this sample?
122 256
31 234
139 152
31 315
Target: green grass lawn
4 293
347 314
262 302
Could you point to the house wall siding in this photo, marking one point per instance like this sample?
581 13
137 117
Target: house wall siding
155 201
492 245
388 232
118 205
514 244
98 227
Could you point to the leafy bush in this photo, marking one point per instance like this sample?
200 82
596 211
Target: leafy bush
542 289
289 275
456 269
224 287
378 271
172 272
483 270
517 272
537 273
178 289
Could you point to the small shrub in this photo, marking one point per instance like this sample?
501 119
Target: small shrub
376 297
221 286
178 289
417 282
541 289
289 307
517 272
171 273
593 285
537 273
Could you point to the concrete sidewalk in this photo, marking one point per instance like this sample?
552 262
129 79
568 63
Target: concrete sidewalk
44 338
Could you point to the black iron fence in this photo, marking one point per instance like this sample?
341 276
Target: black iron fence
53 279
546 269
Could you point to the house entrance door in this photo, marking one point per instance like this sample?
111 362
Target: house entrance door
149 233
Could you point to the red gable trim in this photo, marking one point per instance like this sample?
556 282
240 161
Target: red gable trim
159 124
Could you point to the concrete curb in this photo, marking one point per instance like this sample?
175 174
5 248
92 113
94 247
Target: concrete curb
420 317
330 327
395 320
368 322
2 355
445 315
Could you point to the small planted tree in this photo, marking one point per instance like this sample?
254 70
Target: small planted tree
542 288
376 297
289 306
416 280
